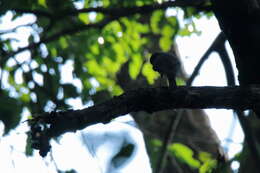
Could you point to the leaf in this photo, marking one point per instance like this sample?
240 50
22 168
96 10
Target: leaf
94 48
184 32
165 43
180 81
63 42
149 73
155 19
156 143
25 97
153 146
84 18
111 66
167 31
173 21
42 3
135 66
204 156
117 90
208 166
184 154
94 68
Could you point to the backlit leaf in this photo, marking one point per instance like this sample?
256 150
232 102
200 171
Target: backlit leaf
184 154
155 19
135 66
42 3
149 73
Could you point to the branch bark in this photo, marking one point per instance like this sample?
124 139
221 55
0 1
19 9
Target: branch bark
151 100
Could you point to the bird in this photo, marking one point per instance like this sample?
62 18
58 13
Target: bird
166 64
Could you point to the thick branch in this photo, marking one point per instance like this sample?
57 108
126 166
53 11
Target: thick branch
126 11
241 25
123 11
151 100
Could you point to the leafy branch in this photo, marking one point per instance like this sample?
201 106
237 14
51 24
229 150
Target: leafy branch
112 14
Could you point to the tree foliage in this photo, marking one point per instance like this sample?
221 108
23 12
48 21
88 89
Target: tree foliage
96 39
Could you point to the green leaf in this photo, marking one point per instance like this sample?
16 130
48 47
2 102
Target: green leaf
94 68
135 66
165 43
111 66
25 97
173 21
63 42
149 73
118 48
204 156
184 154
167 31
84 18
94 48
53 52
156 143
184 32
155 19
117 90
180 81
208 166
153 147
42 3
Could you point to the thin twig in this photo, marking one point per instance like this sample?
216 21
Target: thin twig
39 13
59 34
167 140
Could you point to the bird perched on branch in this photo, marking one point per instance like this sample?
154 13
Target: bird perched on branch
166 64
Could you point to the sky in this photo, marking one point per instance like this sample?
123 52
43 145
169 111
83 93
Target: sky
12 158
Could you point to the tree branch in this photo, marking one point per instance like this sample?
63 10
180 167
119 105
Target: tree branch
66 31
151 100
113 14
126 11
213 47
123 11
38 13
